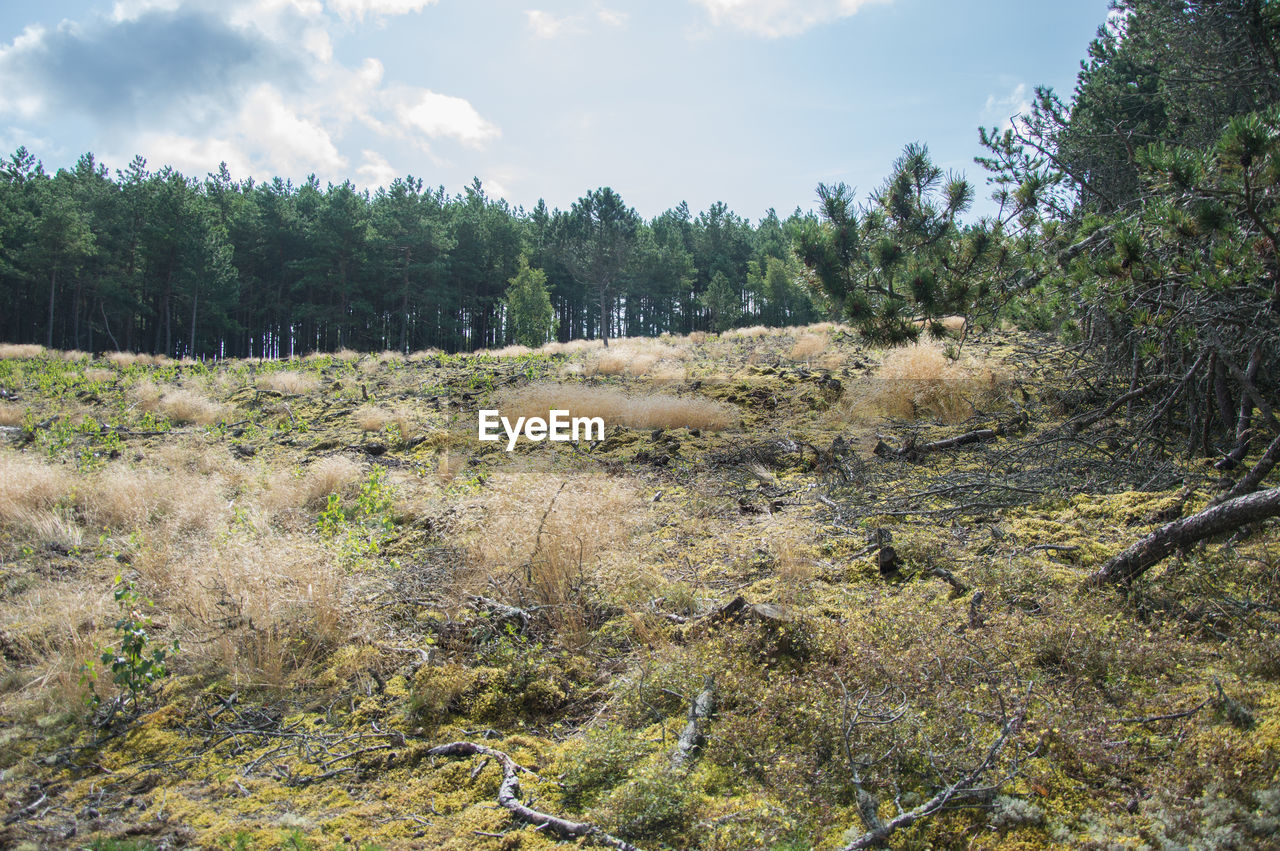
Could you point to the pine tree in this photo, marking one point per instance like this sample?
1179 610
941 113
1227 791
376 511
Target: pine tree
529 314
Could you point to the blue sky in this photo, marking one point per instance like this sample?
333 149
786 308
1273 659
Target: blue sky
750 102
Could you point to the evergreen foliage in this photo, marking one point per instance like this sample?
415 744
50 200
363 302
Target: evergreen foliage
529 306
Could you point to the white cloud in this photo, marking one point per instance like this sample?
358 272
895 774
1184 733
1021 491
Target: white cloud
358 9
494 189
446 116
286 143
251 82
777 18
612 17
192 157
376 171
1003 109
546 25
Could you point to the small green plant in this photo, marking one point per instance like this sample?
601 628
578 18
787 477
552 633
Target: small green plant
361 530
136 664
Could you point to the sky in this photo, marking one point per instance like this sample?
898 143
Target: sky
748 102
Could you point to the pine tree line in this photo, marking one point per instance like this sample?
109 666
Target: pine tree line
155 261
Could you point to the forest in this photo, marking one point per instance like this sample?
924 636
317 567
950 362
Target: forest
907 528
162 263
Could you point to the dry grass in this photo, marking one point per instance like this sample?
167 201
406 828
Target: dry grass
289 382
953 326
49 631
11 414
572 347
261 605
98 374
807 346
335 474
919 381
633 356
446 467
372 418
617 407
21 350
751 332
423 354
184 406
29 485
543 537
514 351
177 502
179 404
608 363
135 359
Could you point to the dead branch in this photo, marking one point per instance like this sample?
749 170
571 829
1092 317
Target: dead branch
1249 483
1179 534
914 451
967 789
1080 423
509 797
694 734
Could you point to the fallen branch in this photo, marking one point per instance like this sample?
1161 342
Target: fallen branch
1179 534
694 736
509 797
1082 422
913 451
968 789
1249 483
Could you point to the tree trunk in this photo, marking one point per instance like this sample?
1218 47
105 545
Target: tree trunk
53 289
604 317
191 349
1163 542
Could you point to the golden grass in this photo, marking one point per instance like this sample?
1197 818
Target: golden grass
545 535
334 474
952 325
29 485
807 346
423 354
371 418
49 632
127 498
608 363
919 381
572 347
751 332
289 382
181 405
187 406
11 414
262 605
135 359
98 374
513 351
617 407
20 350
